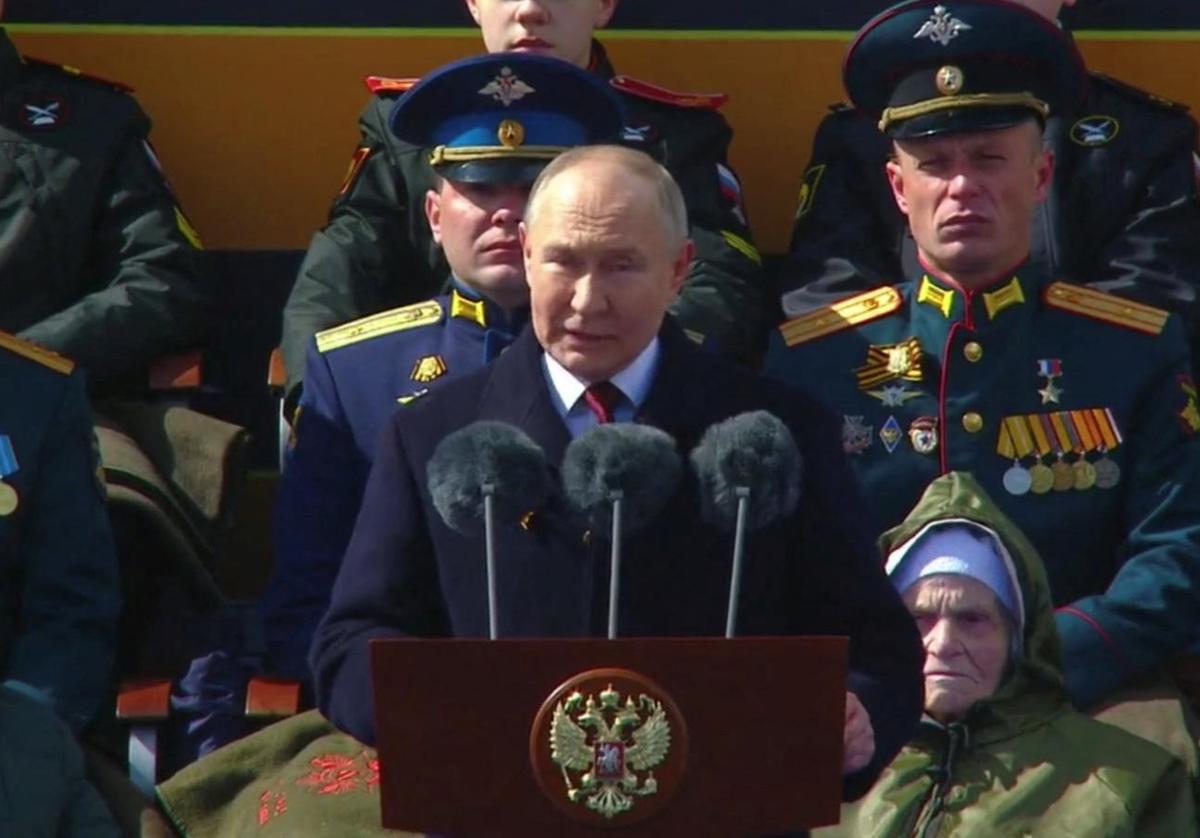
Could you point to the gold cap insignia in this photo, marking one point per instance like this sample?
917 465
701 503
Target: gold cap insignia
950 80
511 133
427 369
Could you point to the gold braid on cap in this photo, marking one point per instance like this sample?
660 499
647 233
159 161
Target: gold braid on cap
463 154
969 100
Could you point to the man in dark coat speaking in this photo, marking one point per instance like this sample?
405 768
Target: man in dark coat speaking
606 250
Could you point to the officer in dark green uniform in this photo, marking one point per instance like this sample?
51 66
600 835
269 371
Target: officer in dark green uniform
97 261
376 252
59 596
1123 213
1074 409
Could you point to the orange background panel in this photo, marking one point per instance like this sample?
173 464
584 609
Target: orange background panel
256 129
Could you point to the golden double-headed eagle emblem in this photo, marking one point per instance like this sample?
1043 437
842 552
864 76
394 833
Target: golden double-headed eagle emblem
607 748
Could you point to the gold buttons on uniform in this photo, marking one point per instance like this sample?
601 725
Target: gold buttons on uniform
972 422
973 351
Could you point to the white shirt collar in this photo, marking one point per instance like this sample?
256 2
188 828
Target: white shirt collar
634 381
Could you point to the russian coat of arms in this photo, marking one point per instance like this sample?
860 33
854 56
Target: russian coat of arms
607 747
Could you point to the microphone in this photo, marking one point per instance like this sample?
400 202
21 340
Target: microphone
618 477
482 471
750 471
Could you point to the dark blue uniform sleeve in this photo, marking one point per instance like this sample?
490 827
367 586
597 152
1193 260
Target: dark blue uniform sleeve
1149 612
318 500
387 587
71 595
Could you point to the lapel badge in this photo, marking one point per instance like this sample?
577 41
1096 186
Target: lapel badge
1094 131
890 434
942 27
856 434
427 369
923 435
893 395
890 362
506 88
1050 369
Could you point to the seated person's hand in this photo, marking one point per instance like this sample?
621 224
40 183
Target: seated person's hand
858 737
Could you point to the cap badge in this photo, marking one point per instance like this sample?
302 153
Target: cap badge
511 133
506 88
1096 130
942 27
950 80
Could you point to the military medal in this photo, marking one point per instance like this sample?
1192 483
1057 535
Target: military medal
923 434
1085 475
1108 473
1015 444
1050 369
1041 479
9 499
890 362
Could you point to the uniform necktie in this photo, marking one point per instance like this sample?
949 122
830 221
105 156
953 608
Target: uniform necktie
602 398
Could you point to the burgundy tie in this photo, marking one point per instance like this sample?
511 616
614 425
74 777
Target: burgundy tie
602 397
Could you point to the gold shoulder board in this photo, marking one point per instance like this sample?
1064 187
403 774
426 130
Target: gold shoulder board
854 311
384 323
1098 305
34 352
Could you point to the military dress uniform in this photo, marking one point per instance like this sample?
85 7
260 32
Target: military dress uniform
1073 408
97 261
376 251
357 376
1123 214
60 594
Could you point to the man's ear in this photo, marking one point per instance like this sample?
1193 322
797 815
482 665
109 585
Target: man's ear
682 265
1044 173
473 8
604 12
896 181
433 213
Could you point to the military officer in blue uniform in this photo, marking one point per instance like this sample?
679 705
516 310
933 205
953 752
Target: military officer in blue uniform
59 595
1073 408
489 125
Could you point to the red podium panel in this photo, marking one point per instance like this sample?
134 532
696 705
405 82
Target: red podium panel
693 736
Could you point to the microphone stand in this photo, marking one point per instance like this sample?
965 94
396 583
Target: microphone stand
614 577
489 530
739 549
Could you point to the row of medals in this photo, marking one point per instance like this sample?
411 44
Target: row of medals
1062 476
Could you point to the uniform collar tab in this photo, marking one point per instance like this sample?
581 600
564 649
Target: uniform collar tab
1006 296
931 294
468 309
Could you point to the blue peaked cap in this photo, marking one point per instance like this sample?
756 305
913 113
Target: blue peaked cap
502 117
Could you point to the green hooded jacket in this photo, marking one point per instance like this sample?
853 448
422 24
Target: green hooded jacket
1022 762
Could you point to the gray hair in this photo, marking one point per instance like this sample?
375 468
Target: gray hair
631 162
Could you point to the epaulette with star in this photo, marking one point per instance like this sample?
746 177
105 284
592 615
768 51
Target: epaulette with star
646 90
842 315
384 323
385 84
19 346
1109 308
76 73
1138 94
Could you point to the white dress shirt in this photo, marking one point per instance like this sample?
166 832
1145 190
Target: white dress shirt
566 391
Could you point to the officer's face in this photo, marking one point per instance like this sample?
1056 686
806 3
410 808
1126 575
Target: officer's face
476 225
1047 8
601 268
970 198
561 28
966 638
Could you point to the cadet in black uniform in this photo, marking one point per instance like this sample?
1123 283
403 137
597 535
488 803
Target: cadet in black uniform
376 252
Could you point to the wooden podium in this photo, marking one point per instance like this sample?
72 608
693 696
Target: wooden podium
638 737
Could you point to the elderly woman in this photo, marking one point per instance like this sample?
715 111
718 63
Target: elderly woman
1000 750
